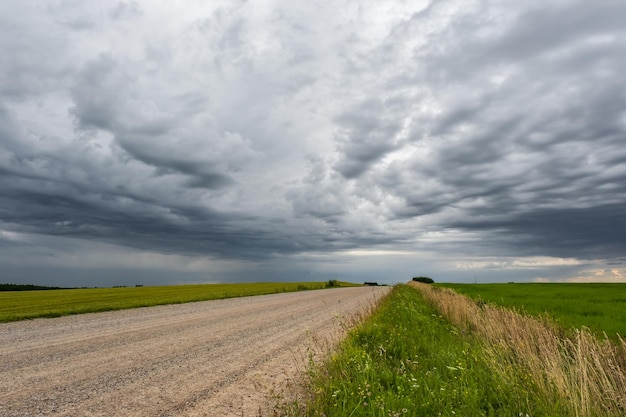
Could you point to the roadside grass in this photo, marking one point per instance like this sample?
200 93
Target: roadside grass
600 306
407 360
21 305
581 374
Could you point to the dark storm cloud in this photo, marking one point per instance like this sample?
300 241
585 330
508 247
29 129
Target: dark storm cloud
523 122
138 168
259 132
547 29
593 232
366 134
139 224
156 135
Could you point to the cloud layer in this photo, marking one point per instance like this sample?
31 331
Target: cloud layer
290 136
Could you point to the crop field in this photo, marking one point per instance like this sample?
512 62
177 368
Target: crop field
600 307
20 305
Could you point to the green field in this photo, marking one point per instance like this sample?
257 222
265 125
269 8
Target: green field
600 307
20 305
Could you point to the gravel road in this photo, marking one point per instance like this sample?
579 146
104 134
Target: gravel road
229 357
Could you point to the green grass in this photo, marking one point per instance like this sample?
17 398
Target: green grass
20 305
600 307
406 360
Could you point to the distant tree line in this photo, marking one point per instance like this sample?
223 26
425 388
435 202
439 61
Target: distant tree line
425 280
26 287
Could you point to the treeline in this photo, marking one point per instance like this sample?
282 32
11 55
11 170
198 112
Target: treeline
26 287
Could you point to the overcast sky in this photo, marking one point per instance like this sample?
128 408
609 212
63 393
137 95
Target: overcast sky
154 142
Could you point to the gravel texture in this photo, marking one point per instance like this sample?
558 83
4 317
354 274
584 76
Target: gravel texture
232 357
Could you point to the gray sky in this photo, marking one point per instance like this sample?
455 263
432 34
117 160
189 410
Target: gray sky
152 142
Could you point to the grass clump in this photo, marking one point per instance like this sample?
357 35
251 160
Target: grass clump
407 360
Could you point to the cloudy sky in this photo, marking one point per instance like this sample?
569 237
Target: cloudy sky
152 142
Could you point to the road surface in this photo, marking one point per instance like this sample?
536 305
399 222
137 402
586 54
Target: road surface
233 357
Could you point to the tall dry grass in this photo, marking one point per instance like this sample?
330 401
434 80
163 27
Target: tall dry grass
577 370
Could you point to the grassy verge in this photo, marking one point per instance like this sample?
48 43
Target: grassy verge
583 375
20 305
407 360
600 307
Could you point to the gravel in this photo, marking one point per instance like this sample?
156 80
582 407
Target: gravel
232 357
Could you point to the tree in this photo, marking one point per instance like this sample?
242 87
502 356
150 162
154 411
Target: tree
425 280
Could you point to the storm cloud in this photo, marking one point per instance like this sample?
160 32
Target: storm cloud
355 140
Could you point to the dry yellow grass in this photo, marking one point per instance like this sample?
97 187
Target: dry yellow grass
584 373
